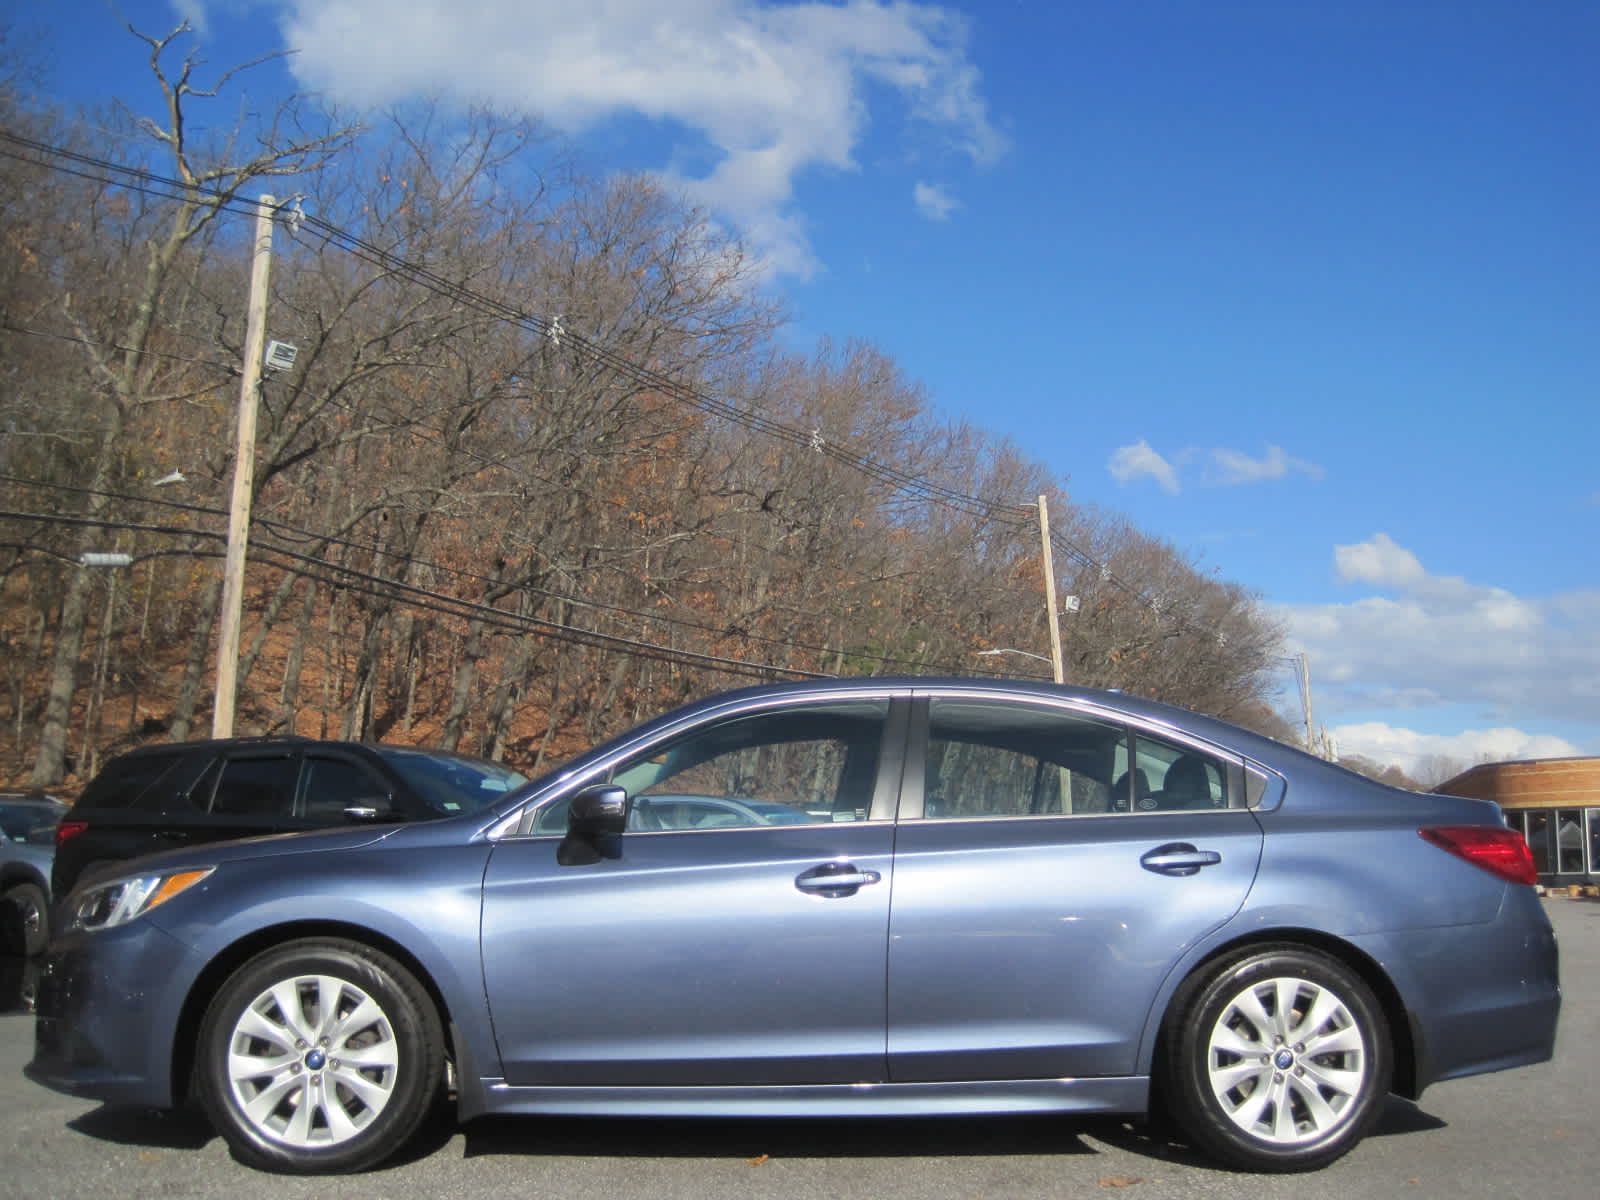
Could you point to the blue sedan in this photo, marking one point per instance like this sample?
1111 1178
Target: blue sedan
919 896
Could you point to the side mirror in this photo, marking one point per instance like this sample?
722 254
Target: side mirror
595 821
598 810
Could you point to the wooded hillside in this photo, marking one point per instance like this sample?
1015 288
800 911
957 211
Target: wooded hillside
545 463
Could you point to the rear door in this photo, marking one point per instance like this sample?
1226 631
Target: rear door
1042 895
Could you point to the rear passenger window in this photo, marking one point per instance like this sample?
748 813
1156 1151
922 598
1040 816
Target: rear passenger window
256 787
1004 759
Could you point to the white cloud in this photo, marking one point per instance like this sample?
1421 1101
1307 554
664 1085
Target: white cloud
1419 641
773 89
1381 561
1140 461
933 201
1222 467
1422 755
1232 467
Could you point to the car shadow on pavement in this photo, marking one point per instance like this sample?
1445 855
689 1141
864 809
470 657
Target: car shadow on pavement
638 1137
1403 1116
1159 1139
181 1129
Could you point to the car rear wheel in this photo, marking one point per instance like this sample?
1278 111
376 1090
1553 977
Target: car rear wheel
320 1056
26 918
1277 1059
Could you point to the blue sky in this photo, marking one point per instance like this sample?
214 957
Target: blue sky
1307 289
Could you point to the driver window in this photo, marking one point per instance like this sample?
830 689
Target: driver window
793 766
801 765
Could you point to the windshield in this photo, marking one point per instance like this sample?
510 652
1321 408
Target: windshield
452 783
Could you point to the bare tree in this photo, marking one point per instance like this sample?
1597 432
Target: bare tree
117 340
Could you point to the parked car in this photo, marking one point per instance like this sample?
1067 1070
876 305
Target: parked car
188 793
1265 947
27 845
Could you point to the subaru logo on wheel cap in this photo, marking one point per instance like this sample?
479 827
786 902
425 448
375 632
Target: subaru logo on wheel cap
1283 1060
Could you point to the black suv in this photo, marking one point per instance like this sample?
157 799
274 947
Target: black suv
161 797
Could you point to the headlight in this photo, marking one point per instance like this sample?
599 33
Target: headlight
107 905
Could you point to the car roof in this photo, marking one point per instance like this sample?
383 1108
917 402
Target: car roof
272 741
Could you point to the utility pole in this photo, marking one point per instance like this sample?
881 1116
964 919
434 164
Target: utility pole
244 471
1050 593
1305 702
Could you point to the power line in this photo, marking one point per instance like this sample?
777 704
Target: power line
739 412
742 413
454 606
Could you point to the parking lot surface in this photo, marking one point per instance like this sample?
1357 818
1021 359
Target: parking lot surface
1529 1132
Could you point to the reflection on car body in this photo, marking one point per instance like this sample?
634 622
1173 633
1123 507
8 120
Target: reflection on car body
1098 903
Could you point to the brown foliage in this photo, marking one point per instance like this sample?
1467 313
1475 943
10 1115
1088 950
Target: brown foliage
475 531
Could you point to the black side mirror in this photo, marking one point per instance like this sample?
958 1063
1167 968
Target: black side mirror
601 808
595 821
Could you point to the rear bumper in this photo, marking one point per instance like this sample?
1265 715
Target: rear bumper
1480 998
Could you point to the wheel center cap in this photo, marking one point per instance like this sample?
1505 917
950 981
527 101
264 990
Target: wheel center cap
316 1060
1283 1060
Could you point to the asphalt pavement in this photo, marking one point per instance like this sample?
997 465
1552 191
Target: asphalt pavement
1529 1132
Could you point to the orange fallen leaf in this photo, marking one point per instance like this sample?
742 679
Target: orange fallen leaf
1119 1181
759 1160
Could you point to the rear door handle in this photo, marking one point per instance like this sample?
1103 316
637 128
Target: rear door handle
1178 858
835 879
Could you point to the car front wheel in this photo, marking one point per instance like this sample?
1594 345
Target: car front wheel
1277 1059
320 1056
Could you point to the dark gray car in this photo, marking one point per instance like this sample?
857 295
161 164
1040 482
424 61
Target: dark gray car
27 847
1004 897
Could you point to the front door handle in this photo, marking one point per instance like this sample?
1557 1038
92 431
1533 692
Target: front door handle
1178 858
835 879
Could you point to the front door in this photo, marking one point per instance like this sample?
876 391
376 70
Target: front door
737 936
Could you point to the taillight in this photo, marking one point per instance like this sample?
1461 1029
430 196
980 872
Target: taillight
1501 852
69 829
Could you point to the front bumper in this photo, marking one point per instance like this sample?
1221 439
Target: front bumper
108 1008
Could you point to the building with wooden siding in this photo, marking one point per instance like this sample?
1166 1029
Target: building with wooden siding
1553 802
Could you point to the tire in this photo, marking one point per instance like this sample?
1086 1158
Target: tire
26 913
1277 1059
318 1057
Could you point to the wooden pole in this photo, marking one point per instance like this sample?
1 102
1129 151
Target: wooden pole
244 470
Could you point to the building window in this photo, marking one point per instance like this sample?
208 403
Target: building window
1538 835
1569 841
